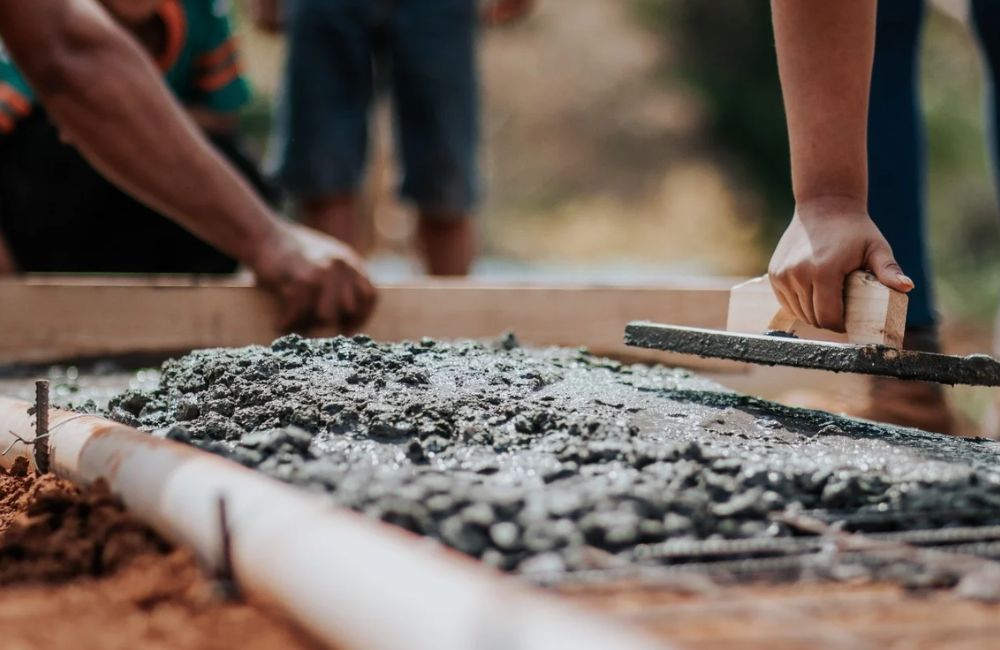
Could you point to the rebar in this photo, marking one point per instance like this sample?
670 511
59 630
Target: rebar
41 442
226 575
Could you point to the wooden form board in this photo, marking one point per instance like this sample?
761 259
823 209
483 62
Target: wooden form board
45 319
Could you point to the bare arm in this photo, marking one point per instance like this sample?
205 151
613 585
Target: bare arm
106 96
825 52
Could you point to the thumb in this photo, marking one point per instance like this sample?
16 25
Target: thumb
882 263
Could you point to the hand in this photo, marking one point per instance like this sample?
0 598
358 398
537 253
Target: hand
503 12
827 239
318 279
267 15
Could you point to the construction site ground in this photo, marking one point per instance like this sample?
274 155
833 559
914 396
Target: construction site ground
826 607
815 616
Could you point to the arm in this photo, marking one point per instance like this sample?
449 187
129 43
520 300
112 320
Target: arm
825 52
105 94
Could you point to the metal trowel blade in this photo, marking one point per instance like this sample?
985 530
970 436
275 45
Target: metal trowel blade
974 370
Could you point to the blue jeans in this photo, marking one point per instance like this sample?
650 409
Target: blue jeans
896 152
339 52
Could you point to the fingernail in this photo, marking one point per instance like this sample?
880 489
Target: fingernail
904 279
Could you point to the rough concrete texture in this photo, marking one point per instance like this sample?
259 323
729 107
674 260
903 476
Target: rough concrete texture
538 461
784 350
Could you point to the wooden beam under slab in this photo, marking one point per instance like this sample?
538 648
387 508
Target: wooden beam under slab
50 318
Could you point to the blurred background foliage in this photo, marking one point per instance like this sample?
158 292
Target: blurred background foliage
726 56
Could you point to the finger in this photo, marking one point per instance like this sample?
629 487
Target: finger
883 264
369 298
804 297
365 298
785 295
349 303
328 299
790 302
828 302
297 310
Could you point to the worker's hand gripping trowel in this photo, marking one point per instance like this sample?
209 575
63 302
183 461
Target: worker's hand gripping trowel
761 331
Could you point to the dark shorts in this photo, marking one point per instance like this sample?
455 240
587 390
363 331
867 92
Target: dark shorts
60 216
339 51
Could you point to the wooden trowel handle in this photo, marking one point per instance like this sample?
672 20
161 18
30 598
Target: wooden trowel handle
782 321
874 312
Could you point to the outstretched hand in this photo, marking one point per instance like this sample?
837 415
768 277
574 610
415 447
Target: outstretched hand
828 239
319 280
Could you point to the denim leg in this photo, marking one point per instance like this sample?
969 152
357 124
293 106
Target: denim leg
322 117
896 156
435 81
986 21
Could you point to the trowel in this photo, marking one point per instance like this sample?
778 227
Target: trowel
760 331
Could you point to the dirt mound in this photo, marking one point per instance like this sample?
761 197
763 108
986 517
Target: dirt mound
52 532
79 572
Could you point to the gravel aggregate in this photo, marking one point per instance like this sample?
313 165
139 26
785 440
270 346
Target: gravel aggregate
550 460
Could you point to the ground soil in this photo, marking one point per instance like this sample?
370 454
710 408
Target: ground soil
78 572
854 616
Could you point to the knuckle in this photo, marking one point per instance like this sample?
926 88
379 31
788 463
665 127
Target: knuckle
779 275
803 272
891 265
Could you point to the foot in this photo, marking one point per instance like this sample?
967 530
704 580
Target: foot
447 244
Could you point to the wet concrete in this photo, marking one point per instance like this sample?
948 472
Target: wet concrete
538 461
785 350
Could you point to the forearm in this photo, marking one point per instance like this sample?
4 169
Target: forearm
109 100
825 52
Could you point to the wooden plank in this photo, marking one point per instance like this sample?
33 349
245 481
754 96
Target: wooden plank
44 319
874 312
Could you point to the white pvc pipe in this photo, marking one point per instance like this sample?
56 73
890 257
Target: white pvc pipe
347 579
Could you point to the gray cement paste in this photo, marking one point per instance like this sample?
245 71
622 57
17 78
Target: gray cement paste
545 460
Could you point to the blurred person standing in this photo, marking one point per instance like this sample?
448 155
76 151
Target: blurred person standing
339 51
